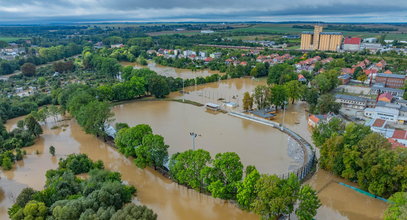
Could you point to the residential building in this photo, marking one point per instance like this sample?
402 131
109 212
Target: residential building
345 79
315 120
391 80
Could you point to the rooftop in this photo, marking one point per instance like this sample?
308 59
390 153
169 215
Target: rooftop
352 40
350 97
391 75
378 123
400 134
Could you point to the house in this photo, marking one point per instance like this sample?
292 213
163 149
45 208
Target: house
385 97
352 43
349 71
400 136
349 101
345 79
395 144
301 78
315 120
116 46
391 80
215 55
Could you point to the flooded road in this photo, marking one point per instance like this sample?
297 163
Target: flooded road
171 71
169 200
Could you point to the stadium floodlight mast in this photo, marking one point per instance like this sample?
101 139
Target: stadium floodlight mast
194 135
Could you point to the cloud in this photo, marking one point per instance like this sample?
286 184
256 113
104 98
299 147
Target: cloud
198 10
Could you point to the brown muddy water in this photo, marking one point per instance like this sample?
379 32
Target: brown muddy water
171 71
220 133
169 200
256 144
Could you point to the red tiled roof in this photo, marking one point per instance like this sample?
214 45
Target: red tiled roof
400 134
314 119
388 72
387 96
300 76
352 40
394 143
378 123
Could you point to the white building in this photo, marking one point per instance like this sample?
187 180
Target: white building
215 55
388 111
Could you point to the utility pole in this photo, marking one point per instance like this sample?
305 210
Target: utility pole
284 112
183 92
193 135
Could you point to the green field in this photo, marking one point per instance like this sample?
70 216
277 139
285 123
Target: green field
11 39
275 29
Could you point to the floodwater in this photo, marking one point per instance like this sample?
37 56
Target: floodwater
168 199
171 71
256 144
220 133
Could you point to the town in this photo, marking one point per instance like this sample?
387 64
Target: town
309 117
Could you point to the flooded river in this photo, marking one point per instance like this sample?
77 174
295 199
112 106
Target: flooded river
171 71
256 144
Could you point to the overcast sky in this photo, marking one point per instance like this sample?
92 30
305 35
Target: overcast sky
40 11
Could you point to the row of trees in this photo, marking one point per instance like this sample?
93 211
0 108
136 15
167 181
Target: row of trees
356 153
102 195
222 176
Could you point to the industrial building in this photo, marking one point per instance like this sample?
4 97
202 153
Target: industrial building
318 40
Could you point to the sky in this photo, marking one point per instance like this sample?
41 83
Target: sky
66 11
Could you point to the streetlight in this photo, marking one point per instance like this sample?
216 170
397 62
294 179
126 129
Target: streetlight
193 135
285 103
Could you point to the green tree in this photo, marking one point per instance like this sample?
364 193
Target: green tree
326 104
94 116
7 163
158 86
28 69
261 96
308 203
275 196
278 95
397 207
226 172
132 211
186 167
294 90
152 152
247 101
281 73
246 190
127 139
52 150
33 210
33 126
